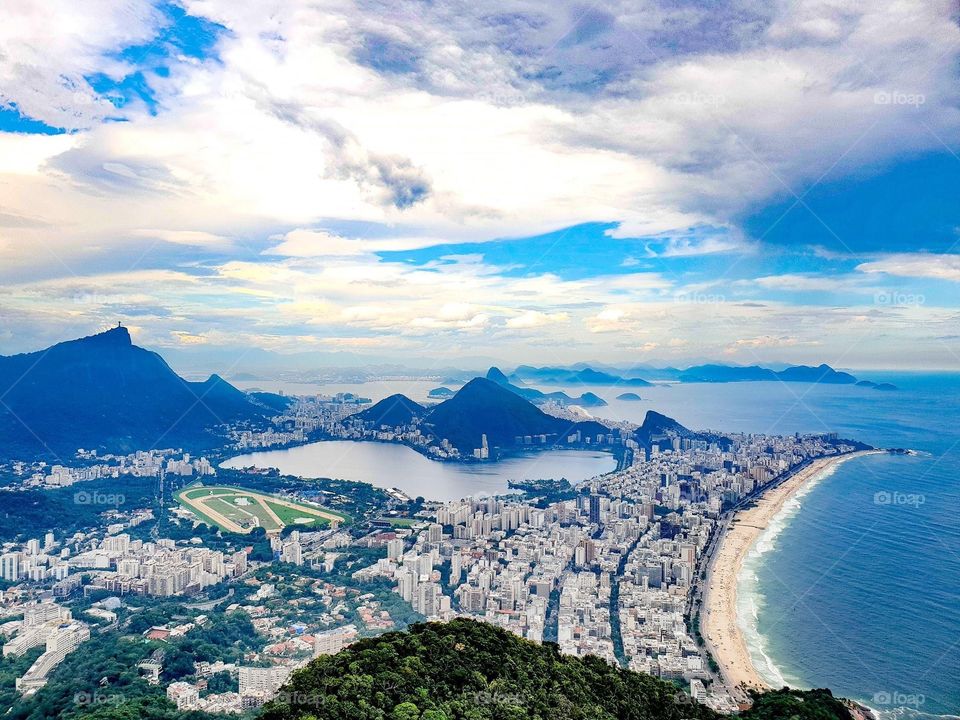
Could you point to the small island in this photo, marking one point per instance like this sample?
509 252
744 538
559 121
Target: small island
629 396
441 392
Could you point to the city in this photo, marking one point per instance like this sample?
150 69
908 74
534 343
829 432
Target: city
611 567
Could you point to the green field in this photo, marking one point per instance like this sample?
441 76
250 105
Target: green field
241 510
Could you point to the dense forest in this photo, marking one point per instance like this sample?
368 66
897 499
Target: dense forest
474 671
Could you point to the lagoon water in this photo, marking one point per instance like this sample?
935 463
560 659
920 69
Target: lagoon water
386 465
857 585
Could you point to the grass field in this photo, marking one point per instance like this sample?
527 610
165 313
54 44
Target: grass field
241 510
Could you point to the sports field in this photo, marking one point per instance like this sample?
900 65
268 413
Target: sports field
240 510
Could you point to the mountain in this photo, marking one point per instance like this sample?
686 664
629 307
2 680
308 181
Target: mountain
820 374
469 669
441 392
632 397
103 392
496 375
486 407
277 403
588 399
582 376
657 426
755 373
392 411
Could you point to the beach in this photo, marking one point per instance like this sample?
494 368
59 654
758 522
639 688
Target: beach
719 619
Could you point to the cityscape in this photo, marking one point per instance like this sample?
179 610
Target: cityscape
513 360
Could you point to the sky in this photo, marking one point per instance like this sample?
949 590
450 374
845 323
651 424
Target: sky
623 182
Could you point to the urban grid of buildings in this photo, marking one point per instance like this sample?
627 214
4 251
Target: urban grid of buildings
609 569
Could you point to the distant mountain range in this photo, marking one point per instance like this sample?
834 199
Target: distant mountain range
754 373
567 376
103 392
536 396
710 373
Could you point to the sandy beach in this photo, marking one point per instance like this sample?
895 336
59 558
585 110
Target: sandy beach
719 623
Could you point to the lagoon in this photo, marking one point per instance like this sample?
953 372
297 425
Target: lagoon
398 466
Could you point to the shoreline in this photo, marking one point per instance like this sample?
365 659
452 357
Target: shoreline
720 624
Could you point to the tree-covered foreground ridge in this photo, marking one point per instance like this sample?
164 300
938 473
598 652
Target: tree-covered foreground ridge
474 671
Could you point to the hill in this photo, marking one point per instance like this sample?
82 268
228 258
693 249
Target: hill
103 392
657 426
392 411
486 407
469 669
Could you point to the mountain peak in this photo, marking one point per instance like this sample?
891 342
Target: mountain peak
117 336
496 375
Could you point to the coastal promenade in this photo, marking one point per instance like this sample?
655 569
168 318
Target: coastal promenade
720 627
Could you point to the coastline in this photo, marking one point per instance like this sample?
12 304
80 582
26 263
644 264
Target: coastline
719 617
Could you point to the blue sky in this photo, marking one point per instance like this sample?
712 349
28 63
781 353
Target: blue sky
741 182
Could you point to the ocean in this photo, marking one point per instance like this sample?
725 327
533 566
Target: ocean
856 585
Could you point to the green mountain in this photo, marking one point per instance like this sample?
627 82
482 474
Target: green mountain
103 392
485 407
474 671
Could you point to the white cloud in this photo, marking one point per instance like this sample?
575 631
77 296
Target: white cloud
314 243
329 131
535 319
47 48
917 265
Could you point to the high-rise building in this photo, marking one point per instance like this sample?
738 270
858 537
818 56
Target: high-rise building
595 509
262 681
394 548
10 566
333 641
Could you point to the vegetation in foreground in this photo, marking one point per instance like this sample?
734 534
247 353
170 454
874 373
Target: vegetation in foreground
474 671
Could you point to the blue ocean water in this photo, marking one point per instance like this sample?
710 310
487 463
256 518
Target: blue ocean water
856 586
